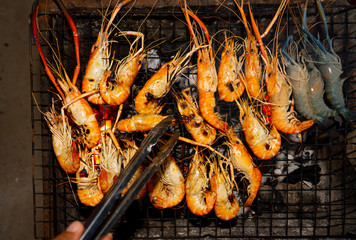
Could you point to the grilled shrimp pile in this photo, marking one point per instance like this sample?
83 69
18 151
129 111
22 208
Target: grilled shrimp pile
93 131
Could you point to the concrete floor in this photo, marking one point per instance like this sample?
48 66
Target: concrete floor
16 204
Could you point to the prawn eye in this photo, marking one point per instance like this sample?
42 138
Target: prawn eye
149 96
139 61
200 60
184 105
269 74
252 50
267 146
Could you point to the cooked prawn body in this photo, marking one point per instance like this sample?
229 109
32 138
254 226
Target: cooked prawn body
88 188
207 83
200 130
226 206
97 64
200 200
82 114
99 60
253 69
230 84
63 145
127 156
166 188
139 123
242 161
263 141
110 164
116 93
279 93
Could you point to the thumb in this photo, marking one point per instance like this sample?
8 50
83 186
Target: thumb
72 232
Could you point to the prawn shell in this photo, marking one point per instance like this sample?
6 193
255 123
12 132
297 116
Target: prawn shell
82 114
242 161
97 64
117 93
253 69
166 188
200 200
207 79
90 196
230 85
226 206
68 158
207 105
264 143
156 87
139 123
200 130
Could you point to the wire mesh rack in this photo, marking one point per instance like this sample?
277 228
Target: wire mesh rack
308 190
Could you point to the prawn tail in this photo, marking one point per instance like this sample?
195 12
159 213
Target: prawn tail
305 125
254 186
322 121
347 113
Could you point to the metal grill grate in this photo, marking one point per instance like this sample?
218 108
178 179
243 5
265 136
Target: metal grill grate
284 207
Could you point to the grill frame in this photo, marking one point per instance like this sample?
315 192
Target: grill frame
55 207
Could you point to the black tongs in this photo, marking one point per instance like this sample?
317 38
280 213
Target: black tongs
113 205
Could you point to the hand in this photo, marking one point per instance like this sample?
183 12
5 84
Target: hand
75 230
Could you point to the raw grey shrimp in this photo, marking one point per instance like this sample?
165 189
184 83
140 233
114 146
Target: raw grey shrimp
316 86
329 65
299 78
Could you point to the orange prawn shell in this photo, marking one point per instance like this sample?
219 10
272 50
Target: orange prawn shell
206 106
279 92
229 74
97 64
207 79
82 114
200 200
157 86
116 94
264 143
242 162
200 130
166 188
139 123
253 69
226 206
